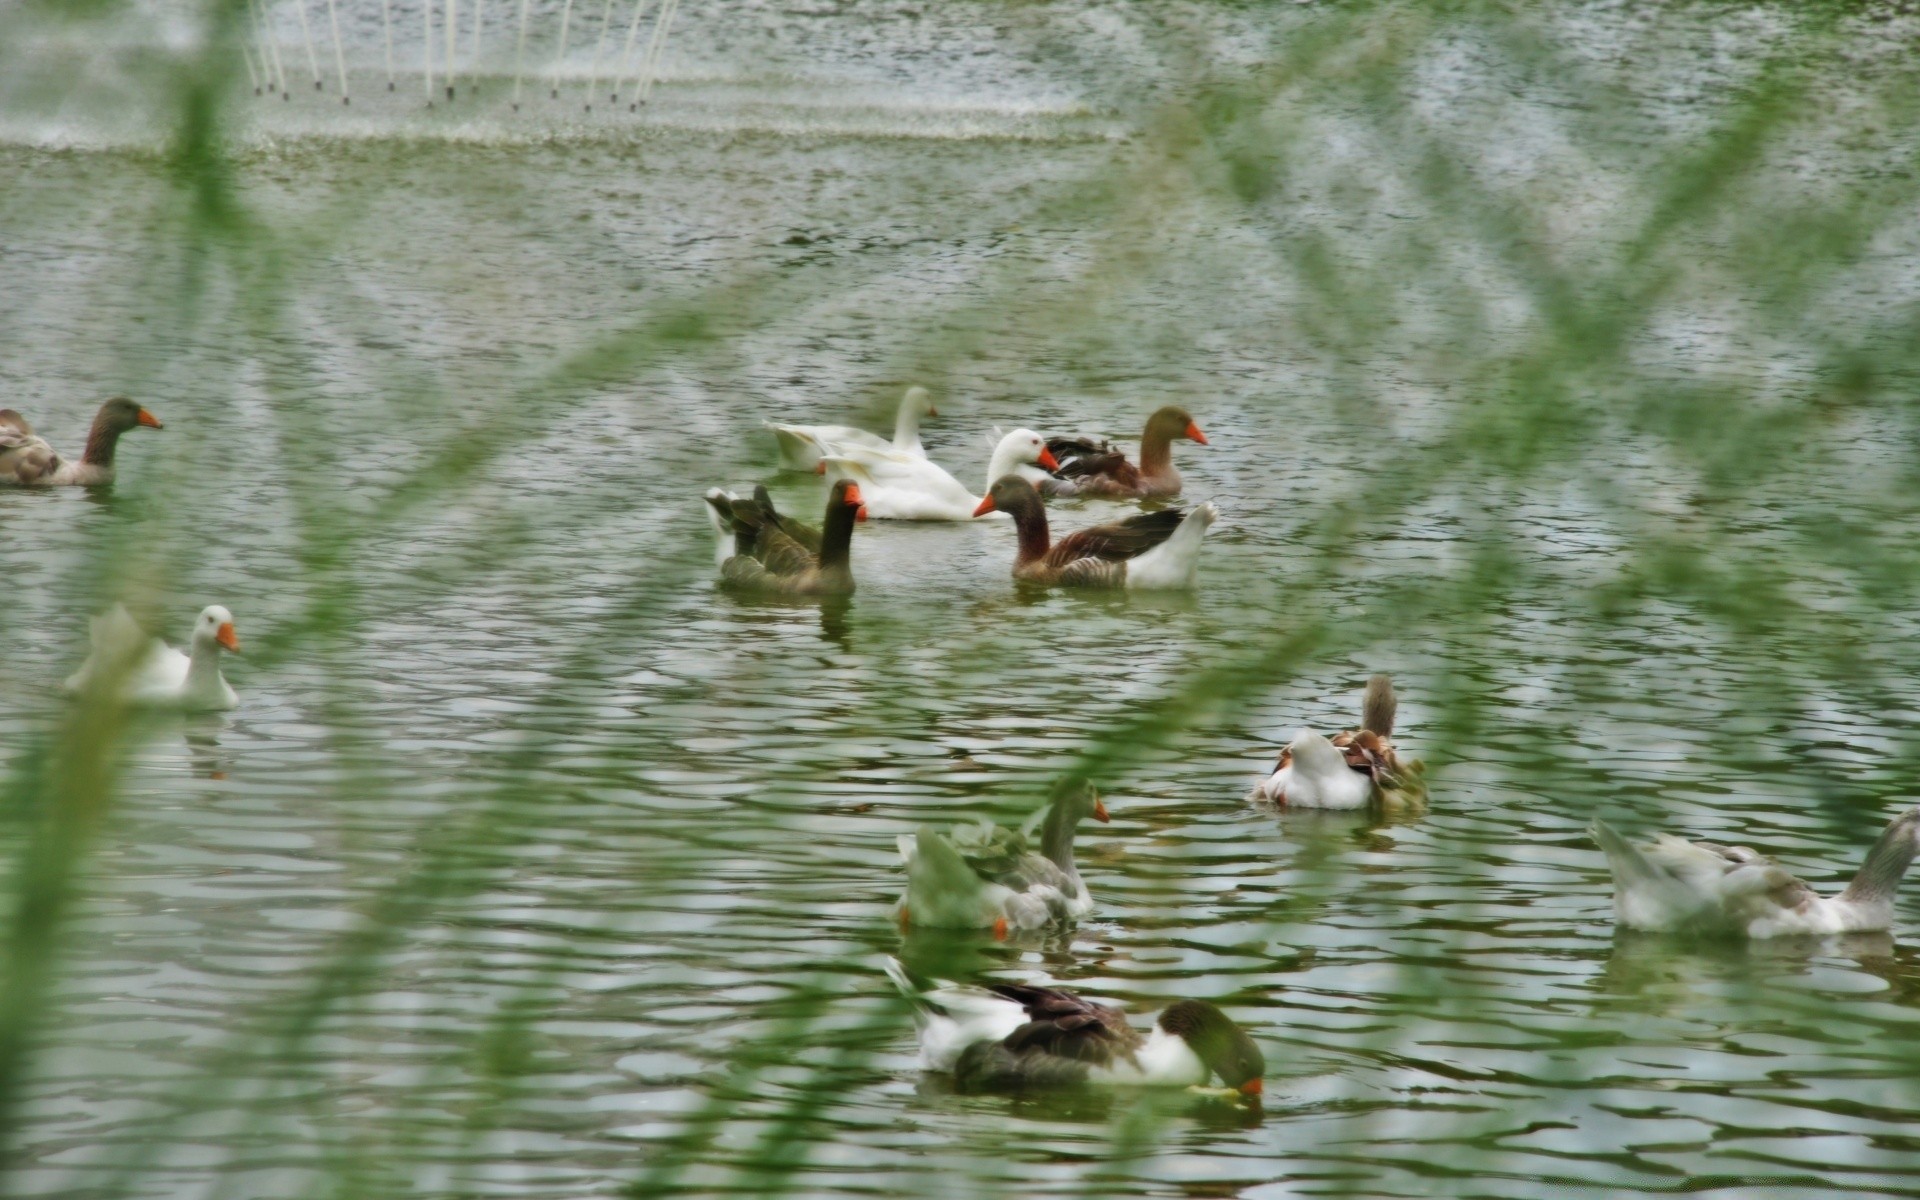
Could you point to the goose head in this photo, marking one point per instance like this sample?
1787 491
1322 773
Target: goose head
122 413
846 494
1016 449
1012 495
1173 422
214 627
1222 1045
919 402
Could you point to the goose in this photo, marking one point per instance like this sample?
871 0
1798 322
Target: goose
920 490
1352 768
1039 473
1676 886
1146 551
802 446
149 673
26 460
768 559
720 506
982 876
1009 1037
1095 468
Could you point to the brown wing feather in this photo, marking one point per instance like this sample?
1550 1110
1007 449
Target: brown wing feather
780 554
1118 541
1066 1026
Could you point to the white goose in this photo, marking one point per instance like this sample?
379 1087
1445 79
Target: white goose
150 673
920 490
982 876
1676 886
802 446
1009 1037
1352 768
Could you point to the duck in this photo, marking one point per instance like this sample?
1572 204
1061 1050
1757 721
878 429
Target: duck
720 508
802 446
921 490
1147 551
1672 885
149 673
983 876
1353 768
26 460
1010 1037
1090 467
767 559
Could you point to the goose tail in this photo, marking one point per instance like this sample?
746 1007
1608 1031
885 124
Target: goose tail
1171 563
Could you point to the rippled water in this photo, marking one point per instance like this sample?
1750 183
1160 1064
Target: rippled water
634 838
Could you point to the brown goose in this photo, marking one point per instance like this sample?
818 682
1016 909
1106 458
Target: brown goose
26 460
1352 768
1145 551
1096 468
1008 1037
769 559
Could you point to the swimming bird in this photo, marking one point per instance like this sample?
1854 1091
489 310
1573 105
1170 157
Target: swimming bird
149 673
26 460
1090 467
1674 885
1008 1037
1155 550
768 559
984 876
920 489
1350 769
759 510
802 446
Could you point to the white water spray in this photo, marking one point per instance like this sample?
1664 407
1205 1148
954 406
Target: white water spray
426 47
306 35
339 56
473 50
270 50
599 46
626 53
566 14
386 24
253 76
655 49
519 55
453 35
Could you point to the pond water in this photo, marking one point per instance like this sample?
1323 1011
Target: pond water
533 864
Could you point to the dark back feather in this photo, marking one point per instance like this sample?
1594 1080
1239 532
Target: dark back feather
1117 541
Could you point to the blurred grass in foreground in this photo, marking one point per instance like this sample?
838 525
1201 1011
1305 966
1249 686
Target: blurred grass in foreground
1557 287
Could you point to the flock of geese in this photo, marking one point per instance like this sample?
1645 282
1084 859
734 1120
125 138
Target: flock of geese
982 876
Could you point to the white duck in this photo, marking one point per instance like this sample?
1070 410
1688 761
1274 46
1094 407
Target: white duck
1676 886
1009 1037
151 673
802 446
1350 769
982 876
920 490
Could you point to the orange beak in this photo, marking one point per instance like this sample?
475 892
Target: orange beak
1251 1087
227 637
1047 459
149 420
1194 434
932 411
986 506
1100 810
